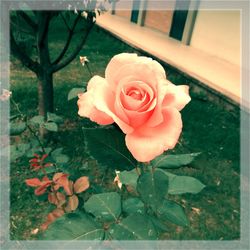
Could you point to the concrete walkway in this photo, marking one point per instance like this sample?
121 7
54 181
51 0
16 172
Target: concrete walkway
216 73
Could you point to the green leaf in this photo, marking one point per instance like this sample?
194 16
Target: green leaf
108 147
74 226
57 152
51 126
17 151
51 117
153 187
159 225
38 119
17 128
174 161
129 178
73 93
59 157
133 205
134 227
172 212
185 184
182 184
104 206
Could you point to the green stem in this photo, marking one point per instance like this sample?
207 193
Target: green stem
88 68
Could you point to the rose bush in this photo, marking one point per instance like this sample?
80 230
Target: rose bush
136 95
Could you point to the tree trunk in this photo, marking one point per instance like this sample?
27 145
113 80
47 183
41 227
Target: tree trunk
44 74
45 92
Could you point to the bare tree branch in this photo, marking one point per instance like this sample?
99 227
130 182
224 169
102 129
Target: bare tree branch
65 22
43 21
28 20
18 52
75 52
71 32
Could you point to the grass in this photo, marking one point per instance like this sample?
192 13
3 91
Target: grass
214 213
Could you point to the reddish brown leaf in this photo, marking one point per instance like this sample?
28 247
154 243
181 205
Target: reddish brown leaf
35 182
57 198
58 212
52 198
34 160
48 165
58 176
61 180
72 203
44 156
45 178
81 184
69 188
43 186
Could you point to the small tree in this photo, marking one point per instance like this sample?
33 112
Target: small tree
30 31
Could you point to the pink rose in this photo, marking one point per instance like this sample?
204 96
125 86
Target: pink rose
136 95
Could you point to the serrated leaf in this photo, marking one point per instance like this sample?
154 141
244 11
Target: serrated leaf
74 226
182 184
134 227
108 147
51 117
153 187
133 205
73 93
174 161
38 119
129 177
104 206
172 212
17 128
51 126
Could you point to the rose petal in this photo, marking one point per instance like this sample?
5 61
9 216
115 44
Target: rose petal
128 60
157 116
177 96
146 143
104 100
138 71
86 106
116 63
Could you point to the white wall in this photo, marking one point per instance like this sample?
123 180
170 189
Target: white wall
218 33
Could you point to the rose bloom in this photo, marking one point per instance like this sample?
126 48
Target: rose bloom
136 95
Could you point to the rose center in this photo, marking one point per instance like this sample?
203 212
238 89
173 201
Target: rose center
135 94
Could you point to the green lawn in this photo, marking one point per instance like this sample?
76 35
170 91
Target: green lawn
214 213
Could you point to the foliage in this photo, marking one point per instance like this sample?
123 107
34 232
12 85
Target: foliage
148 207
140 211
217 166
31 44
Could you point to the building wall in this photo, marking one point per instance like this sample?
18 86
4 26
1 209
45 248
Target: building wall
217 32
159 19
119 11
